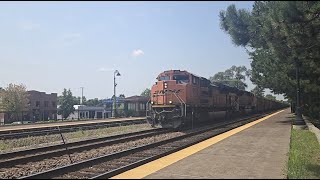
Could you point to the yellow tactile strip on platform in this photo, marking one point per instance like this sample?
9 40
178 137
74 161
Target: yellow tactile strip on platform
153 166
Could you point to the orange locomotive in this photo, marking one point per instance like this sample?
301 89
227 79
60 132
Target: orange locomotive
179 98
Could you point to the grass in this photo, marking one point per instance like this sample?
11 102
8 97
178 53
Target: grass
304 155
315 122
36 141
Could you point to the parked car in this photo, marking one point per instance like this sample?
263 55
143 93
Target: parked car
19 122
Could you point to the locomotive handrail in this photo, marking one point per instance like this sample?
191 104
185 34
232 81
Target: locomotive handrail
180 103
153 121
180 100
163 111
183 103
147 108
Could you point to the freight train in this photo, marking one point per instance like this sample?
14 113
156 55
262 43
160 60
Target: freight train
180 98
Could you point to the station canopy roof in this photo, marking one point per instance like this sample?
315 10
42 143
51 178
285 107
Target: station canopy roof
128 99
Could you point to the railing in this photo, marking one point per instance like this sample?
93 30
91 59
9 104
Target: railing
183 105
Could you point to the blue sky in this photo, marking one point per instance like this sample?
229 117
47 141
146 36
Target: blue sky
49 46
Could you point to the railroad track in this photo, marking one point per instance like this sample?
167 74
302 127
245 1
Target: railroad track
112 164
63 129
36 157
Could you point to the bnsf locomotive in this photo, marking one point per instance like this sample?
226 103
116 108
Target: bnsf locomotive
179 98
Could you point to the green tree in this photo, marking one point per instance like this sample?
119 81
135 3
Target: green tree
258 91
66 104
77 100
233 76
280 35
122 96
146 93
14 100
269 96
93 102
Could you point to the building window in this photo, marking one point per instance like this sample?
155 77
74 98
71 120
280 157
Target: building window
131 106
37 103
54 104
46 104
142 106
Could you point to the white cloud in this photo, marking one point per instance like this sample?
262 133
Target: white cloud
102 69
28 25
137 52
71 36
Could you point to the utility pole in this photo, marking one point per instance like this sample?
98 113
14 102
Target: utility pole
81 101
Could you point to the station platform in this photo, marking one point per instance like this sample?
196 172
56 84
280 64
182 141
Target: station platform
33 126
253 151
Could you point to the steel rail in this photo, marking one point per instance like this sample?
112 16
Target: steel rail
38 154
66 128
87 163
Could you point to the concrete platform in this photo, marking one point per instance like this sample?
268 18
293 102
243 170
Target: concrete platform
259 151
9 128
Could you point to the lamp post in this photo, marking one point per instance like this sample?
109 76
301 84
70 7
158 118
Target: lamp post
81 102
299 120
114 112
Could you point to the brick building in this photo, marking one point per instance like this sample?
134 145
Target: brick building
42 107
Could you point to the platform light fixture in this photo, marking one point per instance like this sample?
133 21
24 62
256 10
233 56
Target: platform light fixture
116 73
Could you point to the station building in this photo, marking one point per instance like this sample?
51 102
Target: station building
88 112
134 106
41 107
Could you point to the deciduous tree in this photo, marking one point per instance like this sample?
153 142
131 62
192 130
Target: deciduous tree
233 76
14 100
66 104
258 91
281 35
271 97
146 93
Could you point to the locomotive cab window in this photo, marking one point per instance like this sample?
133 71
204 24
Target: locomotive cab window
163 78
195 80
181 78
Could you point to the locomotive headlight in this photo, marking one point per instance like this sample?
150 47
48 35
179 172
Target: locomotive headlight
165 85
151 102
170 102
